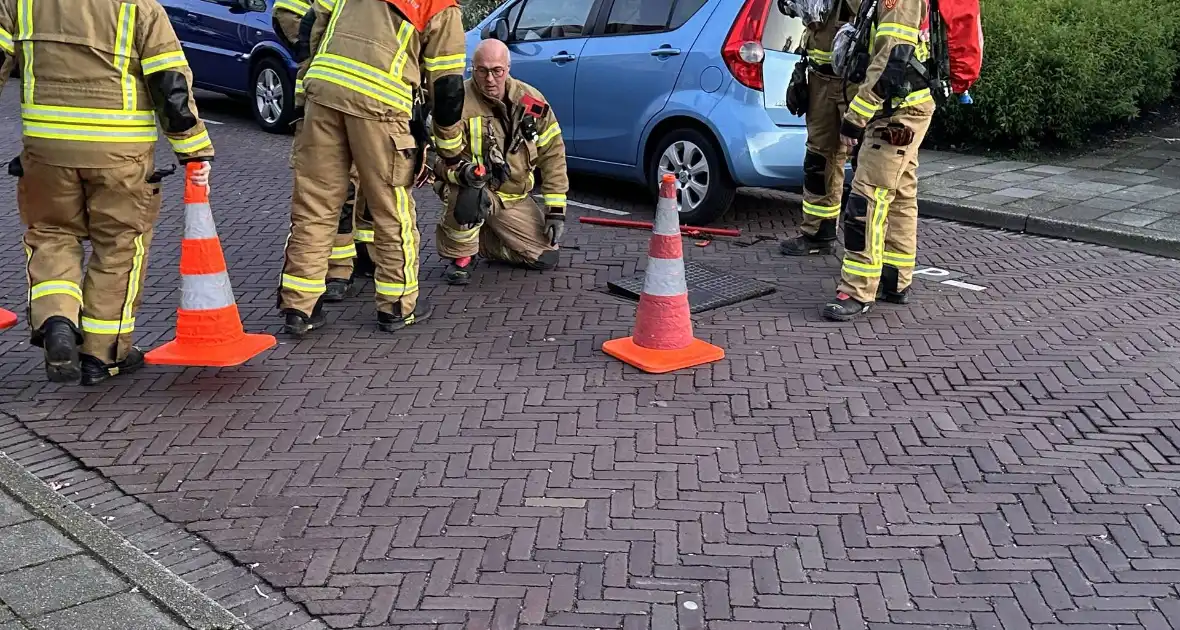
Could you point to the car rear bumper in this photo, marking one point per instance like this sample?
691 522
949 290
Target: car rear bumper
759 152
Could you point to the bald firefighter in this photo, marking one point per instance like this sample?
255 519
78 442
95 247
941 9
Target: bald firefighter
286 19
97 75
884 52
367 59
821 95
510 132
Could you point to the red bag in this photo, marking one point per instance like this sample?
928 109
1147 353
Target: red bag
964 41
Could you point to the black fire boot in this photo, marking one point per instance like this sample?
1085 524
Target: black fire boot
60 338
337 290
458 271
388 322
804 245
94 371
298 324
547 261
845 309
887 290
362 265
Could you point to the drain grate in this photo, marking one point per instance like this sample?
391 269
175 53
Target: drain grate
708 288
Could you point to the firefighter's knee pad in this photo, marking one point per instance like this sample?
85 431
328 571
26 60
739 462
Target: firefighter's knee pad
855 219
815 174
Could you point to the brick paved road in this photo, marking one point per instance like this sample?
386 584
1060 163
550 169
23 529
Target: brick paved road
999 459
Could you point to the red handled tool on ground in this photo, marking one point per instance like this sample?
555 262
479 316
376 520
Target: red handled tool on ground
687 230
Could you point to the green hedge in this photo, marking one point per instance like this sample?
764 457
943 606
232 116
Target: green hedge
1055 70
476 10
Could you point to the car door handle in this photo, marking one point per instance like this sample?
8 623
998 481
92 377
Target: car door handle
192 17
665 51
562 57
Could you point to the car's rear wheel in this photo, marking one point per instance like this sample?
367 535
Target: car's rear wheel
272 96
703 188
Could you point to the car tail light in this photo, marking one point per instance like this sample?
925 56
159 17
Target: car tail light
743 51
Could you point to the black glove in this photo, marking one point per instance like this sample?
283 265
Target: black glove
797 90
555 227
15 168
472 205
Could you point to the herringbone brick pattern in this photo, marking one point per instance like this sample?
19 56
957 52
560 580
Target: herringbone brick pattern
999 459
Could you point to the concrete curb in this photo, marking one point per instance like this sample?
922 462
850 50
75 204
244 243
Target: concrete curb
1098 233
172 593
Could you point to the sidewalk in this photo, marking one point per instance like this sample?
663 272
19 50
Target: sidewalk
62 569
1125 196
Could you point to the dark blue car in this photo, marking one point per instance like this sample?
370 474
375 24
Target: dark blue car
233 50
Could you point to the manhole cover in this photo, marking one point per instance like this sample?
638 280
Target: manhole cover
708 288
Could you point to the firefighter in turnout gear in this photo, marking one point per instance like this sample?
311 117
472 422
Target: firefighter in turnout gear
286 19
888 118
509 141
822 96
368 58
96 77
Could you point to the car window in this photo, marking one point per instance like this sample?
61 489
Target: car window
628 17
552 19
683 11
782 33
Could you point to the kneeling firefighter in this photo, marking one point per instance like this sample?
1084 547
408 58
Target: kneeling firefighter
884 51
817 92
510 132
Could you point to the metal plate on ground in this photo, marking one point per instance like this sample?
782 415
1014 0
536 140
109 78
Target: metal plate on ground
708 288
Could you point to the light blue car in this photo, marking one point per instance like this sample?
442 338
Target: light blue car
695 88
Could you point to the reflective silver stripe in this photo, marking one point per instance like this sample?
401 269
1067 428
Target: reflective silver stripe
205 292
667 218
665 277
198 221
108 326
87 116
365 236
343 252
6 41
93 134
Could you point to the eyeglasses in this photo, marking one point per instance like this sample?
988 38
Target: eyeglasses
498 71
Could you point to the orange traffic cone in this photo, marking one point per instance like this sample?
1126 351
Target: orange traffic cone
663 340
7 319
208 327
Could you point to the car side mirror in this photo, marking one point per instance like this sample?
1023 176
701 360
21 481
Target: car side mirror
497 29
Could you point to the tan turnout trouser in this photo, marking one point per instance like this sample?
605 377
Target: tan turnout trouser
881 215
115 208
343 251
823 165
513 232
383 152
362 222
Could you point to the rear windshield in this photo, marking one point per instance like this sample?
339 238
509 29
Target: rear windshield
782 33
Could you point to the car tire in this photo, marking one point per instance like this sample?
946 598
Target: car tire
704 190
272 96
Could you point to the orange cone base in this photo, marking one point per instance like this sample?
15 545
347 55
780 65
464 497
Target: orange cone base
228 354
7 319
663 361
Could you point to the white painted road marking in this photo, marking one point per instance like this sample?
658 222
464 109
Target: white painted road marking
964 285
212 122
598 208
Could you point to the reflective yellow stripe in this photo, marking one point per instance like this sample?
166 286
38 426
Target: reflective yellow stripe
343 252
364 236
193 144
551 132
133 280
448 144
24 18
475 133
463 236
509 197
554 199
820 56
905 33
328 5
108 326
409 241
304 285
299 86
880 214
55 287
295 6
393 289
123 40
6 42
864 271
362 87
163 62
363 71
863 107
444 63
915 98
898 260
823 212
145 119
89 133
404 32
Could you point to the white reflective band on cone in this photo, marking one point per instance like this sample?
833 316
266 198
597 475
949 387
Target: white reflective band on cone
206 292
198 221
665 277
667 218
